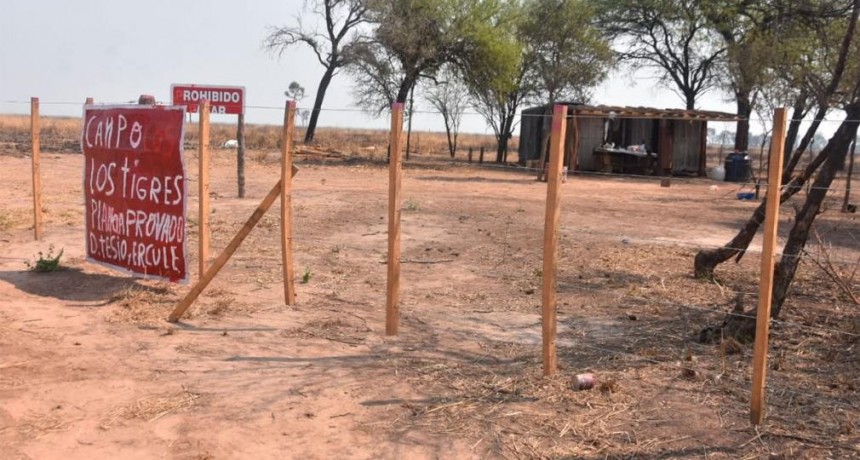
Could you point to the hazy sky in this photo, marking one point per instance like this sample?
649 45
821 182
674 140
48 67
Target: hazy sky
65 51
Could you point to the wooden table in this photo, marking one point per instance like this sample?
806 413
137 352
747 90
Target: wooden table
615 160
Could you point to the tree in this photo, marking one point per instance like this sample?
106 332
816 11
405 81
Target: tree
839 57
295 91
671 36
498 100
566 55
413 39
822 168
332 45
304 114
758 35
449 95
496 74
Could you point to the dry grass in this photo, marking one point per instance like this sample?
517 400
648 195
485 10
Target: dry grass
346 328
152 408
515 412
142 304
12 218
63 133
36 426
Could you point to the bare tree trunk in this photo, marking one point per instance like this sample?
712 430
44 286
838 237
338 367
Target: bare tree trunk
409 125
690 99
847 199
318 101
707 260
452 141
835 152
742 135
741 325
798 112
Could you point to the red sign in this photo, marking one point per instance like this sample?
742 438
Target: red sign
135 189
222 99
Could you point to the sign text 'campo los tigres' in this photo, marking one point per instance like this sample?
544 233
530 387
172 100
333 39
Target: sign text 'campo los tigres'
135 189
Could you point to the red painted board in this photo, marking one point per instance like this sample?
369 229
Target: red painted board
222 99
135 190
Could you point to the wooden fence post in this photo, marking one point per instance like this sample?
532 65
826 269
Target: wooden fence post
395 165
203 190
287 203
470 155
768 259
550 237
37 168
481 156
240 156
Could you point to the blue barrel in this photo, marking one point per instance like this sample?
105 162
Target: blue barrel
737 167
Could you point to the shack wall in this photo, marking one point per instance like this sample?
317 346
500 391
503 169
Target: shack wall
591 137
531 133
687 146
637 131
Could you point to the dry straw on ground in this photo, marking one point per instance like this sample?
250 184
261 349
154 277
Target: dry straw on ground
153 408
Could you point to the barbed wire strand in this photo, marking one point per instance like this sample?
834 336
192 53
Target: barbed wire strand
665 114
631 239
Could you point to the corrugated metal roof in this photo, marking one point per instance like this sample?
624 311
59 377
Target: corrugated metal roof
639 112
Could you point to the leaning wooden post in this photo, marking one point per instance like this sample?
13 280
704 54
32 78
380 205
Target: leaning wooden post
395 165
37 168
287 203
768 260
222 259
203 190
550 236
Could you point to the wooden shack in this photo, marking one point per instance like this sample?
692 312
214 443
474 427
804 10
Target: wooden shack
636 140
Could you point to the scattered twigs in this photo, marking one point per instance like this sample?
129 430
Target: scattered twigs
825 263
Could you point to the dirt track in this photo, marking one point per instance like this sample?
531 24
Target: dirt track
89 369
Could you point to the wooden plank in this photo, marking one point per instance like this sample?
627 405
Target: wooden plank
768 259
287 203
573 152
550 238
395 165
664 149
203 188
37 168
847 200
222 259
703 150
240 157
542 163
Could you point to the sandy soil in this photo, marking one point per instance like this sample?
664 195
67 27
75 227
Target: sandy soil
90 369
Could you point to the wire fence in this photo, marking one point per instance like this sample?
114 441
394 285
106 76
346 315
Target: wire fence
725 192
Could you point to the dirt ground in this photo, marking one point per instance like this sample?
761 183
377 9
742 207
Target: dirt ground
90 369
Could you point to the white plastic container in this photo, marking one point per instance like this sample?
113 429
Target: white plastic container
717 173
